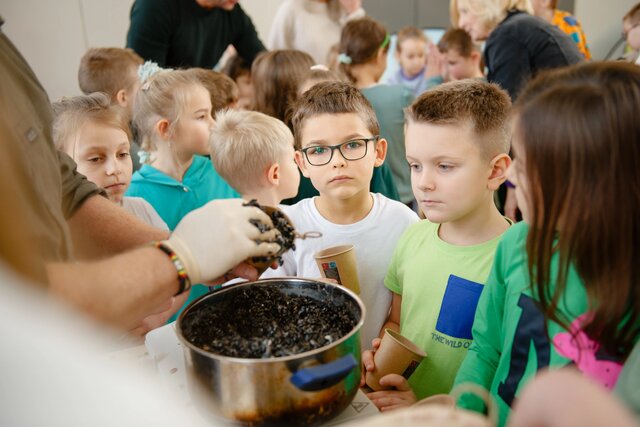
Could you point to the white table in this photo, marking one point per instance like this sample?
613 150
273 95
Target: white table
163 352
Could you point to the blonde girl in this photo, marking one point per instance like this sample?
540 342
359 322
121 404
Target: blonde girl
172 113
563 290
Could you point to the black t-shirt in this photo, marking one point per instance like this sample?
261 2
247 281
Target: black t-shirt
182 34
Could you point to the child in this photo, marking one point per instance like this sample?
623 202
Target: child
411 55
172 113
173 116
254 153
96 135
548 10
457 142
336 135
114 71
275 77
631 33
222 90
563 288
363 59
240 73
463 58
316 74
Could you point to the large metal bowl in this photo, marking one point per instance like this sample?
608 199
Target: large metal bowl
302 389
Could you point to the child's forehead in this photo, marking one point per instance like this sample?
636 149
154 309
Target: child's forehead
333 128
434 139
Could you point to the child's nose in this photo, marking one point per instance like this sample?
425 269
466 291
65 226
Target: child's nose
426 181
113 167
338 160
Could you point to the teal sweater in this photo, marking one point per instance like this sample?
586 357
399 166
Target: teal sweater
181 34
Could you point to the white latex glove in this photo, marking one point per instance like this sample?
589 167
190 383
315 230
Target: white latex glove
215 238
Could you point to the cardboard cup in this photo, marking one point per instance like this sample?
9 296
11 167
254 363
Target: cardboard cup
396 355
339 263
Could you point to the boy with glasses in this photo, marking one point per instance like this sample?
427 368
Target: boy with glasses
336 137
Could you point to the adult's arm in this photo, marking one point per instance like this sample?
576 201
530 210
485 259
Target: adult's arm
509 63
246 42
101 228
150 29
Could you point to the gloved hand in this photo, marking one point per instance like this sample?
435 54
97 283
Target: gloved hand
215 238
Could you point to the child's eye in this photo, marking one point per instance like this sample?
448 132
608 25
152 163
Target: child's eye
94 159
124 155
317 150
445 167
353 145
415 167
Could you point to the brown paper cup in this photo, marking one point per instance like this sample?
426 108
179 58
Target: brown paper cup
396 355
339 263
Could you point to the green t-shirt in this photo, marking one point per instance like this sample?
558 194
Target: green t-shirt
440 285
511 336
629 382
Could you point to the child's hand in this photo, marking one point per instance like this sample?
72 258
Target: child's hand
367 360
388 400
436 64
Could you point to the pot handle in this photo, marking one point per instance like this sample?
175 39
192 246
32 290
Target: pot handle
324 376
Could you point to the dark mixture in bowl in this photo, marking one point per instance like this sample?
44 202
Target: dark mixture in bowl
262 321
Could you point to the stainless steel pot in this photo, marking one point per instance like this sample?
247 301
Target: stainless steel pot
303 389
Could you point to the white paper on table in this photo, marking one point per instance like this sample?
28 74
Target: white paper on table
167 353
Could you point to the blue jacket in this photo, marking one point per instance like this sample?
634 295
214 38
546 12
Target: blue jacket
173 199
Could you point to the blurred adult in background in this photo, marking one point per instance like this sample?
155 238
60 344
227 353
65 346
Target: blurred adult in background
191 33
631 33
312 26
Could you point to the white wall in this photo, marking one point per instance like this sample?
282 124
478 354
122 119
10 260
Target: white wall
53 34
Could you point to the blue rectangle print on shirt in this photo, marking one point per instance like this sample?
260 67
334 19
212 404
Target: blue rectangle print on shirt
458 307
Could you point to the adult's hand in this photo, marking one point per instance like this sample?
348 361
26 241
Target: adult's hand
215 238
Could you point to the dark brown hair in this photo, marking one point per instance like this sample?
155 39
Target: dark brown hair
108 70
332 97
276 76
633 15
222 89
359 43
458 40
485 105
236 67
580 136
409 33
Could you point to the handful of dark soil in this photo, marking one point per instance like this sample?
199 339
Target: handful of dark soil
262 321
283 224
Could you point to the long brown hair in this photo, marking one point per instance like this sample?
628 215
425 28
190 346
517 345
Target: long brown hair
360 41
276 76
580 134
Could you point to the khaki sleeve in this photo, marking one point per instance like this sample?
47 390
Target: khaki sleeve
76 188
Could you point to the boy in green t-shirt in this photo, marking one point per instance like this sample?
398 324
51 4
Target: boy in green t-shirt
457 139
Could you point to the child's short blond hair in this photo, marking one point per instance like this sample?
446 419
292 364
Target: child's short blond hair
410 33
222 89
108 70
483 105
244 144
70 114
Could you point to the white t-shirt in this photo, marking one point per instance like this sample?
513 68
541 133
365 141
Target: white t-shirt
305 25
143 210
374 238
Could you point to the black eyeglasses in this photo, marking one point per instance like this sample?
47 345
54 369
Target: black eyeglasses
354 149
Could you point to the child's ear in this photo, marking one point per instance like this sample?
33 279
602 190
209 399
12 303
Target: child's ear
381 152
162 128
273 175
499 166
301 164
122 98
476 56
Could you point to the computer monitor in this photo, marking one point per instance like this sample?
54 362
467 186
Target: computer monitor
433 34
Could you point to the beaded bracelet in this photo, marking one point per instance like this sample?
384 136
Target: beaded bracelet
183 277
